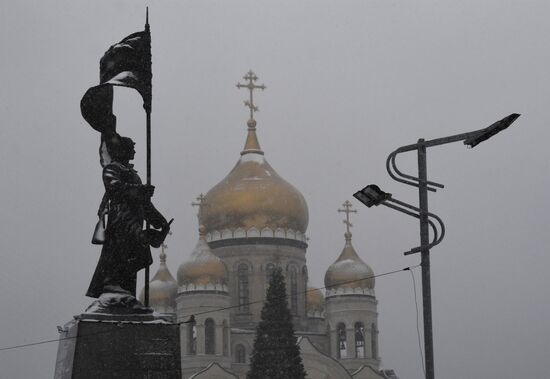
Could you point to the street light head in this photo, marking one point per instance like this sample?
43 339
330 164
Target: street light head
371 195
490 131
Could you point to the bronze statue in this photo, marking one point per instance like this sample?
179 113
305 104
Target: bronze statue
127 204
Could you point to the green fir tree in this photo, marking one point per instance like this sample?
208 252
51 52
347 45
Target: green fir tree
276 354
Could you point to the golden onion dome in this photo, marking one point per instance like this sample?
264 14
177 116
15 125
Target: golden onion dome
349 270
254 195
162 289
203 267
315 300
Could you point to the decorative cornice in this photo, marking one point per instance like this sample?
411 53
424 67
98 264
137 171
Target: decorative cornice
217 235
257 241
220 288
349 291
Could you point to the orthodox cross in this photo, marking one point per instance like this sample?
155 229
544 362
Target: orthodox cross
347 210
251 77
201 201
162 253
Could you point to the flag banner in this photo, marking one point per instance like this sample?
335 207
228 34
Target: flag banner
127 64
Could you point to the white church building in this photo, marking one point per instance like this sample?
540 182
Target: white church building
249 223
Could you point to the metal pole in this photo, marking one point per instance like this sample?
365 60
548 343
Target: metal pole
425 260
148 113
148 107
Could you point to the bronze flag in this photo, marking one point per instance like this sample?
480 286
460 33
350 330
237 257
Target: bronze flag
127 64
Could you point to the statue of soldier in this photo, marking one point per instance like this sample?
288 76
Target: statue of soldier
127 204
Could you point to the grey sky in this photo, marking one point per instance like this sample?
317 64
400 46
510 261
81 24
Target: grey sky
348 82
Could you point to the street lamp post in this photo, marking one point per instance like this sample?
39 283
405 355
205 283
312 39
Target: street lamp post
372 195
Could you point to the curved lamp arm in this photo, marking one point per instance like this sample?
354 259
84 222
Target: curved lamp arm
390 164
470 139
437 239
416 215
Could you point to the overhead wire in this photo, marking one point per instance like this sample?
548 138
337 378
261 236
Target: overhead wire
191 316
305 292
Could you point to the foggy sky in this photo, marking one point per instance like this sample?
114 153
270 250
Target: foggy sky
347 83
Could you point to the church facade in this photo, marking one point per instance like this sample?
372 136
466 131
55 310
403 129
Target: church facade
249 223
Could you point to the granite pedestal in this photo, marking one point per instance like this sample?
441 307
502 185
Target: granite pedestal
100 346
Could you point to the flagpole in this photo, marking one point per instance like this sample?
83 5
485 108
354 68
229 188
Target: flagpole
147 106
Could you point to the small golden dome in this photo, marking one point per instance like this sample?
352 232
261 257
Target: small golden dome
203 267
315 300
254 195
162 289
349 270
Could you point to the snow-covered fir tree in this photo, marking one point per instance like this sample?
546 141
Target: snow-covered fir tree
276 354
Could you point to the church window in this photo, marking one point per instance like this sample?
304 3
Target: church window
374 341
192 339
269 268
359 340
209 337
240 354
342 348
293 290
242 277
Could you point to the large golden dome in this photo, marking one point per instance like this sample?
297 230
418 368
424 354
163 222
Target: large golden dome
349 270
203 267
254 195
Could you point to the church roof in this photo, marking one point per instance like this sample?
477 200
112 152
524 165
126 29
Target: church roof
214 371
318 364
203 267
253 195
162 288
349 270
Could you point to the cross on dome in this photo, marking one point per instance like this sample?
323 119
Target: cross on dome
251 77
163 246
347 210
163 253
201 201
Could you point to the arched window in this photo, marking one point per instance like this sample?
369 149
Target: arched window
192 339
342 347
374 341
225 336
359 340
269 268
209 337
240 354
242 277
293 290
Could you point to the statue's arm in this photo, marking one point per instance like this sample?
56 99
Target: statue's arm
115 185
153 216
